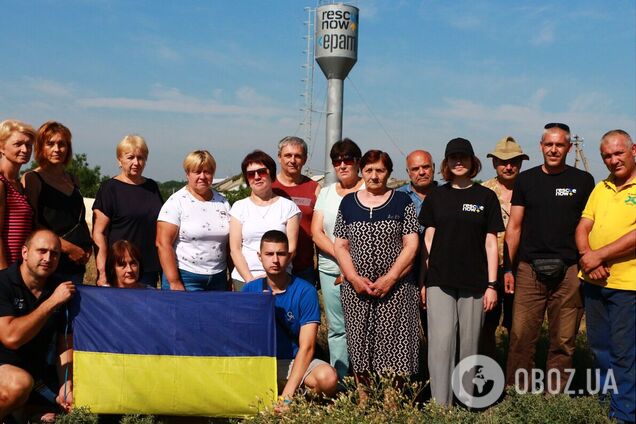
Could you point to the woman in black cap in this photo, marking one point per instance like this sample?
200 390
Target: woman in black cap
462 220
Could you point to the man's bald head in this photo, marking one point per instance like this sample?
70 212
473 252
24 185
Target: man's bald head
421 169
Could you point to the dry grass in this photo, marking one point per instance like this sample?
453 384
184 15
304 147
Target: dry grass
91 272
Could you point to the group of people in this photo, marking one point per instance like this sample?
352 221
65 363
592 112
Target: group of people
395 267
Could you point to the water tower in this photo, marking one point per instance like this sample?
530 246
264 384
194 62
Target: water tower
336 52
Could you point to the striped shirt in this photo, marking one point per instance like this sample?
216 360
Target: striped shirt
18 221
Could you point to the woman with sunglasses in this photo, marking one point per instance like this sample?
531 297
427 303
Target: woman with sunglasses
345 158
193 229
462 220
251 217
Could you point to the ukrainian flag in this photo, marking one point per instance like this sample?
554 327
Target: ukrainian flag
173 353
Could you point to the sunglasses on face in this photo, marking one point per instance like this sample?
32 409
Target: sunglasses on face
260 171
557 125
346 159
513 162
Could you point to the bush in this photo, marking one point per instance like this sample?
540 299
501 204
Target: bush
77 416
539 409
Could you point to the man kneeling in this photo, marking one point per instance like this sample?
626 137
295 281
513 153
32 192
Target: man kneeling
30 314
297 321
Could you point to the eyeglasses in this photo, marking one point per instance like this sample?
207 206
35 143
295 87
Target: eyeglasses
346 159
260 171
557 125
514 161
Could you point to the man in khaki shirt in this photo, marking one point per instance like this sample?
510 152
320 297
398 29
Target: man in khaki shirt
506 159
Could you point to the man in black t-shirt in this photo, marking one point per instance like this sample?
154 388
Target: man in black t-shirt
30 315
547 202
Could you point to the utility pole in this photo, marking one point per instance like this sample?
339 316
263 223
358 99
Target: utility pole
579 155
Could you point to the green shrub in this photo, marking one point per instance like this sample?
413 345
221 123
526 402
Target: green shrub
539 409
77 416
139 419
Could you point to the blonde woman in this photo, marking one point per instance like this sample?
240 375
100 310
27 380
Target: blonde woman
16 215
193 230
126 208
57 202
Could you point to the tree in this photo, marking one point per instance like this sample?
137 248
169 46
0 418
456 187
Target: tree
89 178
169 187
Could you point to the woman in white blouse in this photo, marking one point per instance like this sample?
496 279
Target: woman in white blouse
193 229
253 216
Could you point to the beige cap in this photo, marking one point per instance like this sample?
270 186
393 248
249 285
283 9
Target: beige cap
507 148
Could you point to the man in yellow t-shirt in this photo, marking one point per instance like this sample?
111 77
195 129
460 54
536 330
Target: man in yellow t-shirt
606 239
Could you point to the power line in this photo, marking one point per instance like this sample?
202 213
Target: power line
375 117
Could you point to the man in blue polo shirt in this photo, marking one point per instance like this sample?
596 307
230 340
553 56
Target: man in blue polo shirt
297 321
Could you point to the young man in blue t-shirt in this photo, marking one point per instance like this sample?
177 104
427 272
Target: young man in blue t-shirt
297 321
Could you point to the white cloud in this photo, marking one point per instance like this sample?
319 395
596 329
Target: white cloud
545 35
537 98
466 22
591 102
170 99
49 87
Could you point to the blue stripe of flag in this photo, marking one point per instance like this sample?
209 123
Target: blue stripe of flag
158 322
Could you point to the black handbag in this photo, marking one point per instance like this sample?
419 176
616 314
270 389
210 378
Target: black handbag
549 270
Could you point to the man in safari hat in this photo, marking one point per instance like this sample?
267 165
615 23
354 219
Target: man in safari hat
506 159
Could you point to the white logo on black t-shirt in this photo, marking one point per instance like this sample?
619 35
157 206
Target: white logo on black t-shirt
565 192
468 207
18 303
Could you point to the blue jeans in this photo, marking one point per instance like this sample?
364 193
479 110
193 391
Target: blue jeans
611 332
336 336
199 282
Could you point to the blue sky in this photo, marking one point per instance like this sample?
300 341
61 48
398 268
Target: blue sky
226 76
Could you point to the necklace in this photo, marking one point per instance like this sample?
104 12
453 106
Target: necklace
263 210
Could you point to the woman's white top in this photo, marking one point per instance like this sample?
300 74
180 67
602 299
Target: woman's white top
255 221
204 229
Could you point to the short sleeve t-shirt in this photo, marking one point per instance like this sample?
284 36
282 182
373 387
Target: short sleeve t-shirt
328 203
462 218
16 300
257 220
132 210
295 307
204 228
304 196
614 214
552 208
